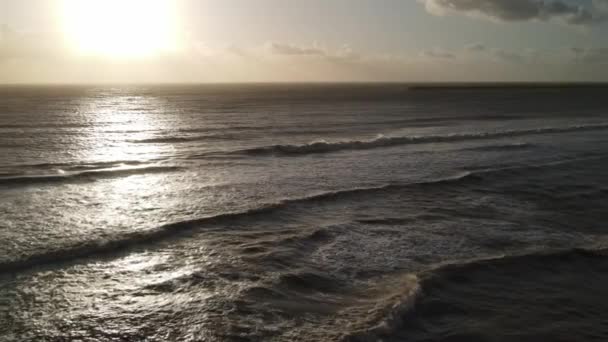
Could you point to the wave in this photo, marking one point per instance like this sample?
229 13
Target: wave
92 248
501 147
84 176
153 235
439 288
530 260
323 146
86 165
171 140
182 139
219 129
43 125
392 304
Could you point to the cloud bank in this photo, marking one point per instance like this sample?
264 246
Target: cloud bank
45 58
523 10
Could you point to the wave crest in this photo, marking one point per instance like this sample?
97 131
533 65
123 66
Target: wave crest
148 236
84 176
323 146
439 285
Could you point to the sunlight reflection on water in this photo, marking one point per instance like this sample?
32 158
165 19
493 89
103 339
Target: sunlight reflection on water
116 121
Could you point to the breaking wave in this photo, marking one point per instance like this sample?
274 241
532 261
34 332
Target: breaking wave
323 146
92 248
84 176
440 290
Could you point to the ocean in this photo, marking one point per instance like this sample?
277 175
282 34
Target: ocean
303 212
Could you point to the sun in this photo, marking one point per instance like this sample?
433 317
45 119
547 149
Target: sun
120 28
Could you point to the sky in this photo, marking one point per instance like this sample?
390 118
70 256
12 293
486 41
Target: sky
90 41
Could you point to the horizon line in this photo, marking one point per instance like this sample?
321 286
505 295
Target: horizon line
403 83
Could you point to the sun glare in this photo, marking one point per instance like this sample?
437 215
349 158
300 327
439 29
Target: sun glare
120 28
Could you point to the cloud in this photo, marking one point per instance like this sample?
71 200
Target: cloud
479 50
344 53
521 10
44 58
477 47
288 49
601 5
509 56
591 56
438 53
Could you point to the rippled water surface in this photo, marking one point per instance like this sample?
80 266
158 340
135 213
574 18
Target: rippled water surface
303 213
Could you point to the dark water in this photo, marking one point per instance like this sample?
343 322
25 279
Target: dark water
303 213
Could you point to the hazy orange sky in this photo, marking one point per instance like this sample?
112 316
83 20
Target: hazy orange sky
88 41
